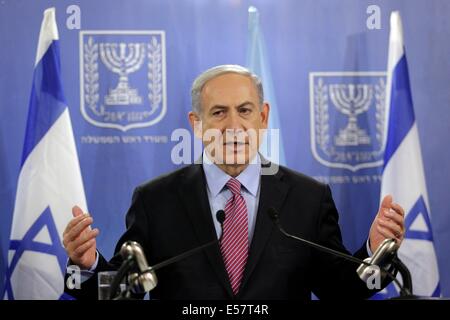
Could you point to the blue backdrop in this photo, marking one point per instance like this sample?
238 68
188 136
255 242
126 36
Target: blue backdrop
309 44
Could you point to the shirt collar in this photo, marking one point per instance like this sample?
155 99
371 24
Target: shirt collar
216 178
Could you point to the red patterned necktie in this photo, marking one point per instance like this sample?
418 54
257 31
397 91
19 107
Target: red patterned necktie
234 244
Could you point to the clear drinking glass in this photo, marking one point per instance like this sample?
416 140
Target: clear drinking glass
105 280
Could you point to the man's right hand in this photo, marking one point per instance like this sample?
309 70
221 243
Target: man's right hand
79 239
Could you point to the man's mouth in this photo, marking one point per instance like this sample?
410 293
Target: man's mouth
235 143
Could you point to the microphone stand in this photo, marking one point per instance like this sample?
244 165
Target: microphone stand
126 266
130 263
405 289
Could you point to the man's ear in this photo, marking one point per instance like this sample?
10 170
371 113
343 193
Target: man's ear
196 124
265 115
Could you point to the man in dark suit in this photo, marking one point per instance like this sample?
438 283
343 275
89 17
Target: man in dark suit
176 212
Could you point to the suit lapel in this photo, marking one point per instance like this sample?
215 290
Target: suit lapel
272 194
193 194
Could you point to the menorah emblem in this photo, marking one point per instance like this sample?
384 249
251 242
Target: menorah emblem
123 64
351 100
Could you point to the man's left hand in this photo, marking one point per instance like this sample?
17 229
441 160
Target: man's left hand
389 223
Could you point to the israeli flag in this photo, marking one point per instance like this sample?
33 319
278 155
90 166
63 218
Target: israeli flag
258 63
49 181
403 174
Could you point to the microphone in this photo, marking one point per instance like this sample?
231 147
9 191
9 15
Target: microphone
220 216
385 253
146 279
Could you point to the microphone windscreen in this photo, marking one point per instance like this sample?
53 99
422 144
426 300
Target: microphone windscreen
220 216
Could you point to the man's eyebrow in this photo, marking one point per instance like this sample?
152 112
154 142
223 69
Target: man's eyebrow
218 106
221 107
243 104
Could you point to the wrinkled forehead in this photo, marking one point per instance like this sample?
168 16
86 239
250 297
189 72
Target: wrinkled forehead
228 89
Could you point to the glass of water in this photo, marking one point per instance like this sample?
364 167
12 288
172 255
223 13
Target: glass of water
105 280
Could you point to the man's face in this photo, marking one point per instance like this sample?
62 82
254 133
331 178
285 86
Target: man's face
231 118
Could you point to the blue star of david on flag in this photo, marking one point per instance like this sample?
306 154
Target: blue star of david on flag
417 222
29 244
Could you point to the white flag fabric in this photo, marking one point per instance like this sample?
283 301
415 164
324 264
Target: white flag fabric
403 174
49 182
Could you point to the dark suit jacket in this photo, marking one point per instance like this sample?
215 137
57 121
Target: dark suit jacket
171 215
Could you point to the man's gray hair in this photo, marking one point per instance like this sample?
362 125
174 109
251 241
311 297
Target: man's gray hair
214 72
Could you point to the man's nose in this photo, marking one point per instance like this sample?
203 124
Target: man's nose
234 121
